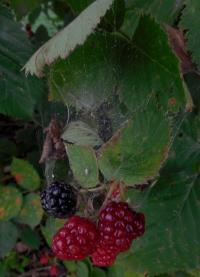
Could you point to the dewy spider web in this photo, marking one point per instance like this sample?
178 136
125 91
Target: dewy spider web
87 87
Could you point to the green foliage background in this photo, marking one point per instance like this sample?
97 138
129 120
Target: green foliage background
127 73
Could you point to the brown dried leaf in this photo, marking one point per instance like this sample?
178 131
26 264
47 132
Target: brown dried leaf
53 147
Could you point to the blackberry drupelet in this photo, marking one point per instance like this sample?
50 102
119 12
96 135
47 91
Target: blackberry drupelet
59 200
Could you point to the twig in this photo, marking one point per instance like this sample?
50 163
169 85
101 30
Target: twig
29 273
97 189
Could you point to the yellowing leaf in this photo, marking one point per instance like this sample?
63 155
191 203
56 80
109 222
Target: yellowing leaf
25 175
31 212
10 202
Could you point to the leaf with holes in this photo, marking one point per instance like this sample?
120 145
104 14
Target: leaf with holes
25 175
151 69
135 154
19 95
64 42
78 132
10 202
31 212
83 163
8 237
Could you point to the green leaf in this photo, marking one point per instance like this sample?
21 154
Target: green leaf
174 206
19 95
78 132
31 212
64 42
78 80
8 237
10 202
130 24
28 177
121 269
50 228
79 5
82 270
83 163
7 150
193 84
114 17
151 69
190 21
136 153
30 238
70 265
172 238
161 10
97 272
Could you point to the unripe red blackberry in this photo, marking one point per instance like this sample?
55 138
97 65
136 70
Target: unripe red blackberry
103 257
118 225
76 240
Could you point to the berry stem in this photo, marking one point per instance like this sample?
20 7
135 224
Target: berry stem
112 186
102 187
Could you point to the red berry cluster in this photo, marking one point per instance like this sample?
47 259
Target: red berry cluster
118 225
76 240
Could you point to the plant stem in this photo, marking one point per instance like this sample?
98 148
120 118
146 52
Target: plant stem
97 189
29 273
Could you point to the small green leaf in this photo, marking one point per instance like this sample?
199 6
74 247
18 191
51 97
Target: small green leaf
10 202
136 153
8 237
82 270
31 212
83 164
30 238
28 177
82 134
50 228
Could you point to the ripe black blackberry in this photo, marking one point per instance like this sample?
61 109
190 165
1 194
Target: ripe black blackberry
59 200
